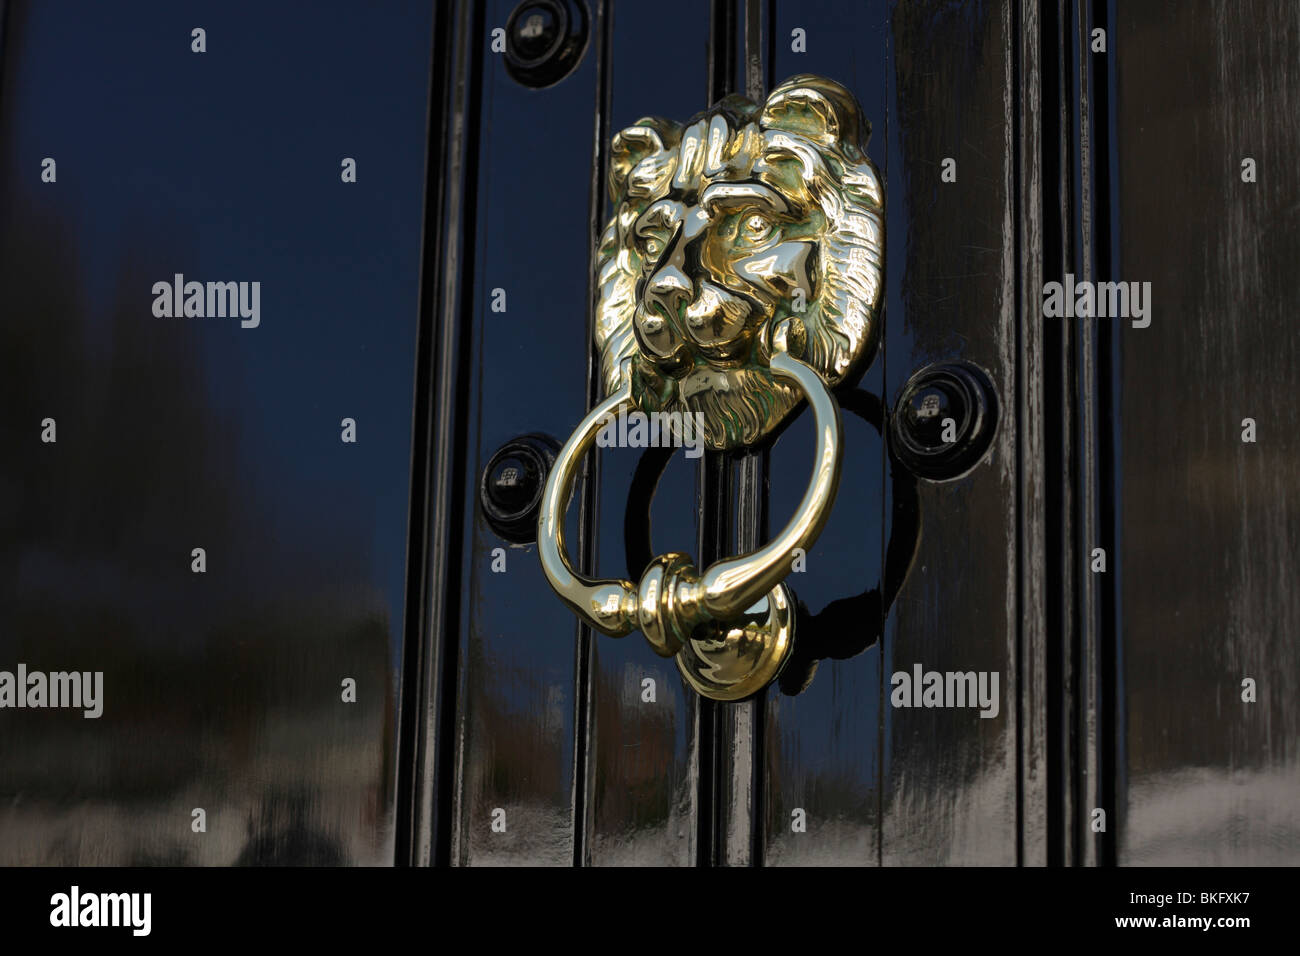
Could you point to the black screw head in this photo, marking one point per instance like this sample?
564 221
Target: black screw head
512 481
545 40
944 420
510 491
536 30
926 410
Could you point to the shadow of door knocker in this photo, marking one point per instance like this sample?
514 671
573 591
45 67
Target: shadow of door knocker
740 277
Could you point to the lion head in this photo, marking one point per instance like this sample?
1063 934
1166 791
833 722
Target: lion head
745 220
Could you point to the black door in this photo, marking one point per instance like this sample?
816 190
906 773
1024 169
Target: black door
1115 556
591 750
284 528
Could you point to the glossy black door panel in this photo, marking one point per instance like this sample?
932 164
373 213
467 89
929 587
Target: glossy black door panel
516 692
266 530
223 683
1208 527
1010 154
950 791
818 768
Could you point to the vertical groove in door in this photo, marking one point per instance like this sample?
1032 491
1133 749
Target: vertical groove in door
1017 132
411 841
1080 500
1106 221
4 33
715 530
588 508
890 123
1087 727
1092 478
1056 450
715 484
1094 489
752 530
739 749
722 52
1032 797
451 440
432 607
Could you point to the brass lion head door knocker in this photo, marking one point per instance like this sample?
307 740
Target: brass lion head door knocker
741 274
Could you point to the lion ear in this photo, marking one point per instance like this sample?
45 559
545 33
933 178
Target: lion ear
648 136
818 109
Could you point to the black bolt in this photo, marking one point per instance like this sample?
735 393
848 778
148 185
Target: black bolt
512 481
510 491
545 40
927 410
944 420
536 30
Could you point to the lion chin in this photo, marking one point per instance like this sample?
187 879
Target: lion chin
735 405
748 216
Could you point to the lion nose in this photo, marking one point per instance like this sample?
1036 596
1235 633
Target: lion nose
716 318
669 289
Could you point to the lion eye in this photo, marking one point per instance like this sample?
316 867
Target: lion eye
756 228
653 247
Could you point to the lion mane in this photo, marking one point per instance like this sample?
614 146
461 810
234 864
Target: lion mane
805 145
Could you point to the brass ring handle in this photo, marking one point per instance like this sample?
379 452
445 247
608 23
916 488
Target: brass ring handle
731 627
